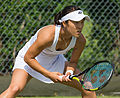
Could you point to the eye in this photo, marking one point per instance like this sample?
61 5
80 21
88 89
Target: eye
77 22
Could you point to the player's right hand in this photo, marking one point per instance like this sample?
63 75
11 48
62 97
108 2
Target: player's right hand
54 76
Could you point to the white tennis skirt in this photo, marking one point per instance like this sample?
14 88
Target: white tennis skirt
53 63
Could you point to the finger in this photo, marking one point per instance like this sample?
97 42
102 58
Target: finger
63 78
67 74
58 73
60 76
67 78
60 80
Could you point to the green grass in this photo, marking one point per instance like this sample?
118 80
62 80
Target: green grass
73 97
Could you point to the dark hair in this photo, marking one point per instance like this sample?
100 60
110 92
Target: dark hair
63 12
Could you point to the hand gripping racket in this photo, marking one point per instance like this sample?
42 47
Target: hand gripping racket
95 77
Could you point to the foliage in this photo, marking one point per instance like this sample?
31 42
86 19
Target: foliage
20 19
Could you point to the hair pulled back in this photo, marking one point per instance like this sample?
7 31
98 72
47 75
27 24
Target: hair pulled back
64 12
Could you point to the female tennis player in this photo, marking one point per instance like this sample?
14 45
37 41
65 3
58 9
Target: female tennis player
42 56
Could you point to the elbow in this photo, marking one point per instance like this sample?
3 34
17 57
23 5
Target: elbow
26 59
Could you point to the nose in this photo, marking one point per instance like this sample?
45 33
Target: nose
80 27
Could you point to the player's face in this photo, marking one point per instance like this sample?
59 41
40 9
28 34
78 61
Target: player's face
75 27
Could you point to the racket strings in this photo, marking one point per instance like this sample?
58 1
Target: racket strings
97 76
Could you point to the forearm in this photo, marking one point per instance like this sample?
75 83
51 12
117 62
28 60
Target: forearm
71 66
76 53
33 63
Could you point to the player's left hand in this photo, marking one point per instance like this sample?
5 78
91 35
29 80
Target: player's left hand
65 78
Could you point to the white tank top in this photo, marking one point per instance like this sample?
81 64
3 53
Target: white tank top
52 49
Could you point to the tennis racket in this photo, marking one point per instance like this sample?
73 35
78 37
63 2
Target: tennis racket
95 77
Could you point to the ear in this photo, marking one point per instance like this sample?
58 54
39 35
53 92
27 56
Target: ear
64 24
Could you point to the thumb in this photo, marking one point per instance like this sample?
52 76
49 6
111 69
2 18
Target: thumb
58 73
67 74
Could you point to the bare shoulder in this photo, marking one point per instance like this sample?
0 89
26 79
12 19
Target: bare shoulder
46 34
48 27
47 31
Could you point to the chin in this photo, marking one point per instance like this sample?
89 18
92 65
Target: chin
76 36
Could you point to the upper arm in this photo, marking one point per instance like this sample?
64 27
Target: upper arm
78 49
44 39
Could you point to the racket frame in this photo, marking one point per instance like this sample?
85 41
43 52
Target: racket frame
75 77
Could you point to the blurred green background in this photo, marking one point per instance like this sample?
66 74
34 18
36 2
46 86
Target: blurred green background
20 19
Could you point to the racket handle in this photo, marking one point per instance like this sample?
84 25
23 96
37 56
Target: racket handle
82 81
70 77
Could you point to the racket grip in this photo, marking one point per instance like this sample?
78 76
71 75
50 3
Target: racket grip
70 77
62 77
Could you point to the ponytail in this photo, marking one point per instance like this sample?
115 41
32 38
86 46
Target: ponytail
57 18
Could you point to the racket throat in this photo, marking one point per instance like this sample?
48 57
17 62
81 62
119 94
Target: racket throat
82 82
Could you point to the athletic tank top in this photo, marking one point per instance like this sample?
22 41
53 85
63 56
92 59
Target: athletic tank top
52 49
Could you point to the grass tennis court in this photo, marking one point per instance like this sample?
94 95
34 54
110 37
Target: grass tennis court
72 97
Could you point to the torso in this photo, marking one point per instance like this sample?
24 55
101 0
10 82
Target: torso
62 45
58 45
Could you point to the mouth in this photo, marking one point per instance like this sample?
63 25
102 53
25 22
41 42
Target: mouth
79 32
